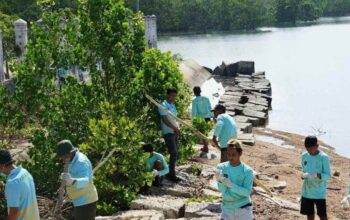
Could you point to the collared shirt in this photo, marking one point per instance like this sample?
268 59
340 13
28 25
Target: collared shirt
20 193
157 156
315 187
201 107
225 129
241 178
172 109
83 191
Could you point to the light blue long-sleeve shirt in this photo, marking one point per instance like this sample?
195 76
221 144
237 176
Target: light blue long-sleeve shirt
201 107
241 178
225 129
315 187
157 156
83 191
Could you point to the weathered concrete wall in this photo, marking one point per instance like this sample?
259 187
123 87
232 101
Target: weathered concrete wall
21 33
151 31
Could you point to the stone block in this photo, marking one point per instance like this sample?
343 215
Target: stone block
135 215
198 210
171 207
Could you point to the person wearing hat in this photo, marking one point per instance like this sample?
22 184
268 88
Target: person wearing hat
201 108
19 190
225 129
79 181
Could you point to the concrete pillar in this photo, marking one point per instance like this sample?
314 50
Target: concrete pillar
2 75
21 33
151 31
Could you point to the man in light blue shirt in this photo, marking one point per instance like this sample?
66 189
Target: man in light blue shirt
225 129
201 108
155 164
79 181
19 190
170 131
235 181
316 172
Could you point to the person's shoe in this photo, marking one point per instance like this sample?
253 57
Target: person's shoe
174 178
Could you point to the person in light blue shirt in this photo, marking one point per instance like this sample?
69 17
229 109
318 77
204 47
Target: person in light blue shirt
19 190
225 129
315 173
79 181
235 182
155 164
171 132
201 108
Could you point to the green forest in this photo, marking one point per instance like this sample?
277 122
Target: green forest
206 15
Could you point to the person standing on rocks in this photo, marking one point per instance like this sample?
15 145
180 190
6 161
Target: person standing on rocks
19 190
171 132
79 181
201 108
235 181
155 164
225 129
316 172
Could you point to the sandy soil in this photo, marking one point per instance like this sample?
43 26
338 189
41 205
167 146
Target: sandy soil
283 164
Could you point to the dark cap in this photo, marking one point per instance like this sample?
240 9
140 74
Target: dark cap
147 148
310 141
219 107
5 157
64 147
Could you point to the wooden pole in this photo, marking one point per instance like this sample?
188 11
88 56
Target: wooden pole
61 191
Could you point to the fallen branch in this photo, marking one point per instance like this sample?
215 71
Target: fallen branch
57 210
103 161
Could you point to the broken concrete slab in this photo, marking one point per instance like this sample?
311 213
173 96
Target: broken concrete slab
247 139
171 207
198 210
245 127
135 215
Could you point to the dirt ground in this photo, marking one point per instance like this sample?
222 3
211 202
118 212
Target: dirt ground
283 164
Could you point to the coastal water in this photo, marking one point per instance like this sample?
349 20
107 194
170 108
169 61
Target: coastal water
308 66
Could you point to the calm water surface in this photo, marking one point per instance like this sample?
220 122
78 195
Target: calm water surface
309 68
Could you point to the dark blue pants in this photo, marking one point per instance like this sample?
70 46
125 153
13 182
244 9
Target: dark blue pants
172 143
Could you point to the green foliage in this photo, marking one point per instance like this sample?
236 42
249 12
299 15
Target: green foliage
205 15
337 8
107 112
196 169
124 174
203 199
3 208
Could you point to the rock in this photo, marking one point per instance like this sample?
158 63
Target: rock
135 215
209 155
247 139
245 127
280 185
336 173
263 177
211 193
246 67
194 74
256 114
175 190
231 69
285 204
208 172
196 209
170 206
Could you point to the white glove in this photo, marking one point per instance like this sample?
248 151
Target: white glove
155 173
309 175
67 178
346 201
226 182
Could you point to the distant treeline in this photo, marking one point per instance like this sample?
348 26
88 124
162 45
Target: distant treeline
227 15
206 15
